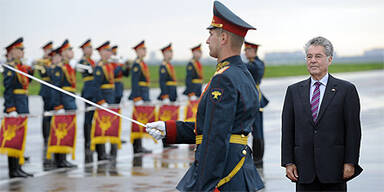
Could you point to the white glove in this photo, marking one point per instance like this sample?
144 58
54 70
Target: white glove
12 114
104 105
166 101
193 98
60 111
156 129
90 70
140 102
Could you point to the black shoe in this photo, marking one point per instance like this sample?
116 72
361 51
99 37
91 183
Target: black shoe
88 156
102 157
68 164
23 172
17 173
143 150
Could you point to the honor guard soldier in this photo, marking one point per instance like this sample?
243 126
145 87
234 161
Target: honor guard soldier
257 69
120 70
15 95
194 77
104 87
167 77
226 112
44 67
63 76
87 93
140 78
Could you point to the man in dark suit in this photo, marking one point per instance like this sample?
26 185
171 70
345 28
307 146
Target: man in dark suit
321 126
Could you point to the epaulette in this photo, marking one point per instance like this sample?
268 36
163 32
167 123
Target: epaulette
220 71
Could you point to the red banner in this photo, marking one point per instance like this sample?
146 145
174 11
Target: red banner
143 114
12 137
190 111
62 136
106 128
168 112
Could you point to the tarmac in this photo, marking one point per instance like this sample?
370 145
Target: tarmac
162 169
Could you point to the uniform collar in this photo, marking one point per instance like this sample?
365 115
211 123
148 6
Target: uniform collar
236 59
323 80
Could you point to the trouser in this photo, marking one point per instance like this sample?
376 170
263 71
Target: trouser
13 164
325 187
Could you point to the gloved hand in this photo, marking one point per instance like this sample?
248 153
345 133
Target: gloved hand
193 98
166 101
60 111
90 70
140 102
105 105
12 114
156 129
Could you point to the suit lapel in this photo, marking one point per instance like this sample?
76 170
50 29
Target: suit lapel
304 92
330 92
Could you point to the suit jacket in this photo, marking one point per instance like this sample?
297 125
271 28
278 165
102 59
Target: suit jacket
320 149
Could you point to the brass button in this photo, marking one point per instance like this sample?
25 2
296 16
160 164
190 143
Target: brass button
244 152
242 135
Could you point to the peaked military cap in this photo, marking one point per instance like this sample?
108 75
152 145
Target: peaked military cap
140 45
54 52
64 46
227 20
87 43
167 48
198 47
250 45
16 44
49 45
105 45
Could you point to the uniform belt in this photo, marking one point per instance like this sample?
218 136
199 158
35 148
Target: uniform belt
20 91
46 79
171 83
144 83
108 86
197 81
88 78
235 138
238 139
70 89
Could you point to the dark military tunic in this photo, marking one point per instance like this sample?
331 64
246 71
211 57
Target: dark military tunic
194 78
63 76
257 69
88 87
167 81
227 107
119 71
104 82
140 81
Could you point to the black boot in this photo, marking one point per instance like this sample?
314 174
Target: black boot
23 172
258 152
101 154
88 154
113 154
13 167
138 148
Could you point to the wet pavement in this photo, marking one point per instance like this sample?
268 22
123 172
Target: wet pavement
162 169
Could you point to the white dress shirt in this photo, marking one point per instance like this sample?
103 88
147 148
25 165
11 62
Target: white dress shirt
323 85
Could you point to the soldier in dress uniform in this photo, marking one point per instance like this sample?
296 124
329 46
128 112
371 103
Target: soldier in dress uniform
120 70
167 77
194 77
257 68
15 95
87 93
226 112
43 65
63 76
104 87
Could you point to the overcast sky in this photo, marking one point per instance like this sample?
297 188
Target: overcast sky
352 25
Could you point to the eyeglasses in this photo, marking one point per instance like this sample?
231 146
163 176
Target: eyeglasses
317 57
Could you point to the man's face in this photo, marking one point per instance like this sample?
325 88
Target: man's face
250 53
46 52
168 55
17 53
88 51
197 54
68 53
56 59
214 42
105 54
317 61
141 52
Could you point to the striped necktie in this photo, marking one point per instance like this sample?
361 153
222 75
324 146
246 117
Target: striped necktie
315 101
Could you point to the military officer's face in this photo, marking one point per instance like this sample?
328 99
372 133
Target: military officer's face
88 51
17 53
317 61
214 42
105 54
46 52
56 59
197 54
68 53
250 53
141 52
168 55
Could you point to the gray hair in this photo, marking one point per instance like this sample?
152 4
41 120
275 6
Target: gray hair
320 41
